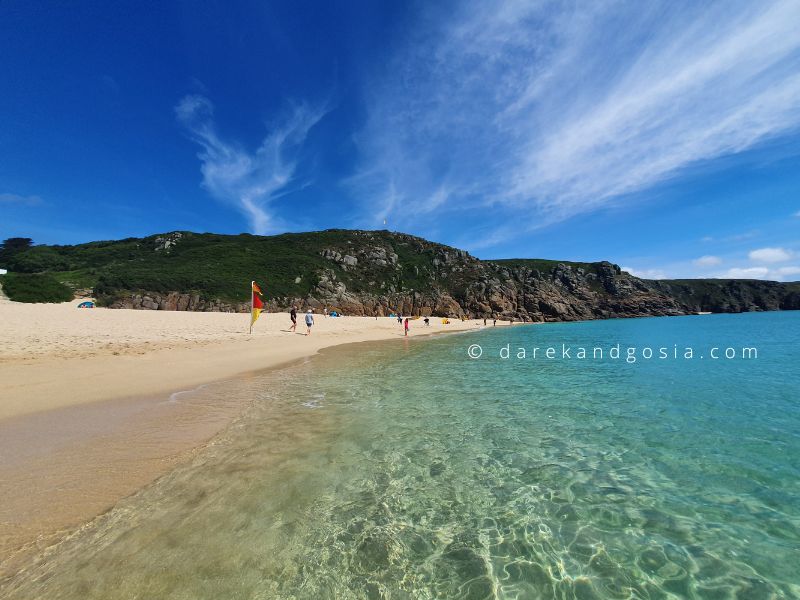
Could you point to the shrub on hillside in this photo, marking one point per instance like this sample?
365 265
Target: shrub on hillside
25 287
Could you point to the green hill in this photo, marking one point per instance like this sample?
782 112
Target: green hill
358 272
221 266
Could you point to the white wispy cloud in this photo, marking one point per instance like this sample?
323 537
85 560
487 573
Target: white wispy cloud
770 255
687 269
559 108
248 180
742 267
746 273
707 261
732 238
646 273
8 198
787 273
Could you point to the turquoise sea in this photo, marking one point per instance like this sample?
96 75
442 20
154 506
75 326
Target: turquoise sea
406 469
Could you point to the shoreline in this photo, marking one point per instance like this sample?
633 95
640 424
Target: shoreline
152 438
79 434
61 356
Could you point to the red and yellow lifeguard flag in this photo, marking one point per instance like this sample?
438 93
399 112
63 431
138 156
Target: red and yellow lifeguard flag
255 303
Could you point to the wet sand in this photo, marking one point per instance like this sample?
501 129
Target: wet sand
92 402
63 467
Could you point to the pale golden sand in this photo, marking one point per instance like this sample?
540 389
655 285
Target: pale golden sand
83 417
55 355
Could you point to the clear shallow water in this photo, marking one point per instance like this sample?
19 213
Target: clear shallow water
407 470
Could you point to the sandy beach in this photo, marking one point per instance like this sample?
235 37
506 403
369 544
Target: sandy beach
56 355
88 412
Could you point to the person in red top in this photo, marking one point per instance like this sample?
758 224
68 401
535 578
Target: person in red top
405 325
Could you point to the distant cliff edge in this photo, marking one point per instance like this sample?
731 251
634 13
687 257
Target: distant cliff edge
361 273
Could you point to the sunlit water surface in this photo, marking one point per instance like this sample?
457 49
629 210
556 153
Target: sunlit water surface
407 470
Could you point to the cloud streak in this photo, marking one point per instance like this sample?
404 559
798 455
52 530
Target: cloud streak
559 110
760 263
707 261
770 255
247 180
788 273
646 273
17 199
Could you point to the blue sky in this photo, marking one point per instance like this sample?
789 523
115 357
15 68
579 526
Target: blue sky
664 137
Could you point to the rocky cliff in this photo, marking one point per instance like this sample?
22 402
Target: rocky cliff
376 273
370 273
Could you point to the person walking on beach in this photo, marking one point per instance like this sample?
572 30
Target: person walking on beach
400 319
293 317
494 322
405 325
484 321
325 310
309 321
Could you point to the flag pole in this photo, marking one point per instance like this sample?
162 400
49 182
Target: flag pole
251 305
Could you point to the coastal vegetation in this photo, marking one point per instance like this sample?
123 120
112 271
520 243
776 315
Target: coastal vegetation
35 287
358 272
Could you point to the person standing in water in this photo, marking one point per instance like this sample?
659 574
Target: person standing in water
309 321
293 317
405 325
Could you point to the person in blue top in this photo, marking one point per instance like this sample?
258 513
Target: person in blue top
309 321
